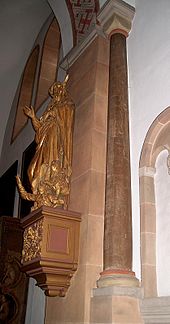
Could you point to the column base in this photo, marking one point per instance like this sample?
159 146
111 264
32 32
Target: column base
116 305
117 277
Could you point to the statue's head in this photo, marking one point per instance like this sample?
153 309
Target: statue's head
58 89
55 165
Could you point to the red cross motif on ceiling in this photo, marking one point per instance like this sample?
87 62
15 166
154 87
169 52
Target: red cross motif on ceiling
83 15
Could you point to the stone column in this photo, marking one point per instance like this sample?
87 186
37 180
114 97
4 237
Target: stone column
148 230
118 220
116 300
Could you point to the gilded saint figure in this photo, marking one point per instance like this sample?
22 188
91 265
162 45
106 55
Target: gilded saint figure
50 169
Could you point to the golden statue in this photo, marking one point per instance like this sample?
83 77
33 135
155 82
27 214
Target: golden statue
50 169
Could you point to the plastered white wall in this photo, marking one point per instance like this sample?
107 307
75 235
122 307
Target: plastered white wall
149 88
20 23
12 152
162 195
35 310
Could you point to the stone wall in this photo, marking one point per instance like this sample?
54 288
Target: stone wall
88 87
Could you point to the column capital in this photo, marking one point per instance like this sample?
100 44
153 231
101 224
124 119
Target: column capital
116 16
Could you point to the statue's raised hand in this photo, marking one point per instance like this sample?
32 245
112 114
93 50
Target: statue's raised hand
29 111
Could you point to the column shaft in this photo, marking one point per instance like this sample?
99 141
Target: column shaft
118 223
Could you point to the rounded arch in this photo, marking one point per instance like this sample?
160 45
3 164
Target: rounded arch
154 141
49 62
157 140
62 15
25 93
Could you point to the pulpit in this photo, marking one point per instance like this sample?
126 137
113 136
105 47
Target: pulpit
51 248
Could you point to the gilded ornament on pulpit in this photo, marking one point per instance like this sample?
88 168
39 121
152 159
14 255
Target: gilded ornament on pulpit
50 169
32 241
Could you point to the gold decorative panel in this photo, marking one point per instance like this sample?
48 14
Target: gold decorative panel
32 241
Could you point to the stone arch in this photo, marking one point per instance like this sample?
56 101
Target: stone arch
49 62
62 15
41 67
157 140
25 93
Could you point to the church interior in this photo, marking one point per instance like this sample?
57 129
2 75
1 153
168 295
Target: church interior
85 87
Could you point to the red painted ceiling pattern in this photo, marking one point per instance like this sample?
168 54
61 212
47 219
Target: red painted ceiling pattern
83 15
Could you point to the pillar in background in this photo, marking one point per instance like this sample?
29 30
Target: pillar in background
118 231
118 216
116 300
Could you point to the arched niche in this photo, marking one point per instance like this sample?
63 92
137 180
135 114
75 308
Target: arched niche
157 140
26 90
42 72
49 62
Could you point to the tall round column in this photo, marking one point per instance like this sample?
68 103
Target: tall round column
118 215
118 224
